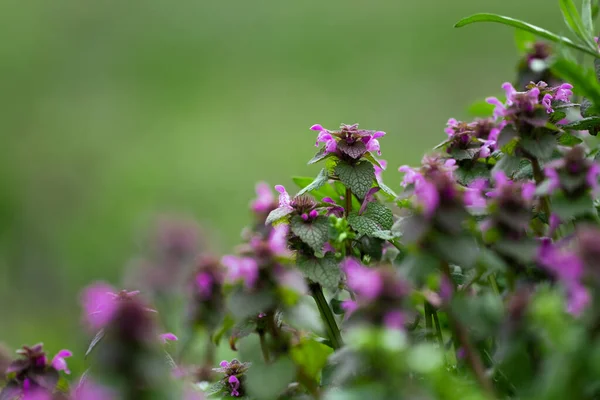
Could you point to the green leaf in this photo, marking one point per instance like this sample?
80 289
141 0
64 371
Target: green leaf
525 171
358 177
311 356
583 80
542 147
227 324
566 139
584 124
372 159
575 24
380 214
524 40
481 108
567 209
536 30
387 190
321 155
325 271
523 250
509 164
461 250
268 381
586 17
507 135
278 214
314 233
467 174
319 181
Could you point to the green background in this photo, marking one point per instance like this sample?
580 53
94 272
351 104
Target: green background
115 111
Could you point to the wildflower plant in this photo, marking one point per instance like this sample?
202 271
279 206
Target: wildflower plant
477 279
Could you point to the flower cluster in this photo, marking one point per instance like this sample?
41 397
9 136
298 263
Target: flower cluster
349 142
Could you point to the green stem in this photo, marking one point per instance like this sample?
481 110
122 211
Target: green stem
347 210
263 346
438 329
428 320
326 315
494 284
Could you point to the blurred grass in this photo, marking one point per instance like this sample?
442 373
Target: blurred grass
115 111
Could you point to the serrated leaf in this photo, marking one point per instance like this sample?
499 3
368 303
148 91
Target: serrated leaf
216 388
468 173
321 155
380 214
94 342
525 171
362 225
354 150
358 177
319 181
536 30
277 214
541 148
324 271
314 233
584 124
464 154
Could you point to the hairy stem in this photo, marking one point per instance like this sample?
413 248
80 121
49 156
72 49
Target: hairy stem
326 315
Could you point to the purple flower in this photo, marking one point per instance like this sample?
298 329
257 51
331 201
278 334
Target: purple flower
503 184
264 198
284 198
474 194
394 320
59 363
410 175
99 304
573 166
591 177
88 390
379 170
204 283
235 385
578 299
166 337
241 269
365 282
427 196
278 240
335 209
348 141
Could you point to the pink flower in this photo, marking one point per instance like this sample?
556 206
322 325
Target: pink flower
379 170
59 363
98 304
166 337
264 198
278 240
410 175
325 137
474 193
88 390
235 385
394 320
284 198
241 269
365 282
427 196
204 282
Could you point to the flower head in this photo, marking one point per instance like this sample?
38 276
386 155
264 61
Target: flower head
265 201
241 269
365 282
349 141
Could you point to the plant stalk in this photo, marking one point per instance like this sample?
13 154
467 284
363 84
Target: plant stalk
326 315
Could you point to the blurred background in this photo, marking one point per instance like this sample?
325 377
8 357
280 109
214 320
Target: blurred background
114 112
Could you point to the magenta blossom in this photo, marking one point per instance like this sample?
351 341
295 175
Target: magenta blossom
394 320
502 183
349 140
59 363
284 198
365 282
89 390
265 200
379 170
241 269
168 337
204 283
474 197
100 301
278 240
